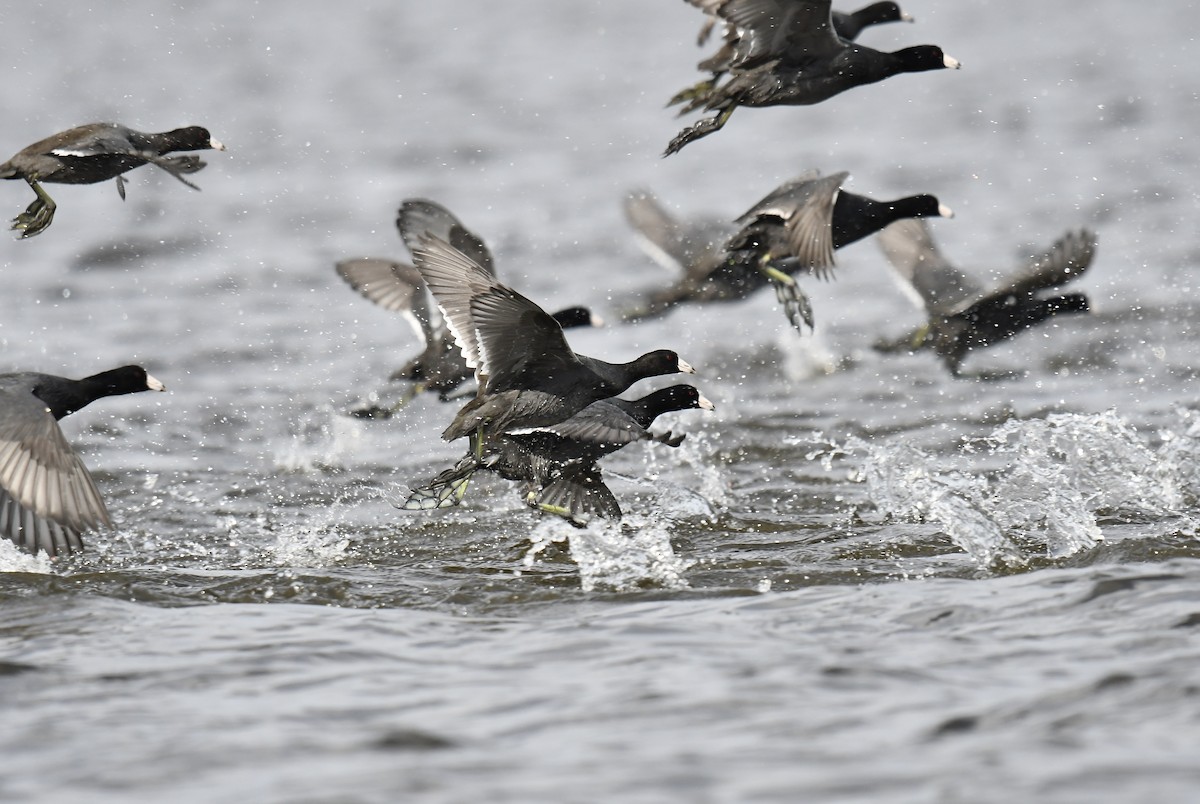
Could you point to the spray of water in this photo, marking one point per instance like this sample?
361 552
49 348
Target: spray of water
619 556
1057 475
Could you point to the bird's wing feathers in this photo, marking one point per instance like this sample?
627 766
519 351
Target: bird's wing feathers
419 216
656 228
779 202
935 283
601 423
810 224
394 286
1068 258
519 342
44 486
769 28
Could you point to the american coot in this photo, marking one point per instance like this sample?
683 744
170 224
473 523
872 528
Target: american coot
788 53
528 376
962 315
793 230
558 464
47 497
398 287
98 152
846 25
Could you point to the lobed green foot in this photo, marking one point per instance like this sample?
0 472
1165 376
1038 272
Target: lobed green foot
34 220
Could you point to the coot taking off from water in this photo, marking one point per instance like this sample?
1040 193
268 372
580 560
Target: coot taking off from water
528 376
788 53
47 497
962 314
558 464
795 229
98 152
735 51
398 287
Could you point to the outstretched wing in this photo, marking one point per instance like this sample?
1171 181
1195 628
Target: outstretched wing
47 496
770 29
928 277
419 216
500 332
804 206
394 286
687 247
1067 259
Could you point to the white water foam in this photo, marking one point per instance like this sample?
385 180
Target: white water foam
620 556
13 559
1059 473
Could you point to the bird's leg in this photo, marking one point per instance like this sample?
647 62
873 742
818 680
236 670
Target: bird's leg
578 520
920 336
175 165
796 305
121 187
697 91
476 440
701 129
38 215
445 490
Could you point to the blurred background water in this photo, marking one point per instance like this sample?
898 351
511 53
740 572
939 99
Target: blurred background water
859 579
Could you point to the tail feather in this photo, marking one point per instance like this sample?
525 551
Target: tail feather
578 497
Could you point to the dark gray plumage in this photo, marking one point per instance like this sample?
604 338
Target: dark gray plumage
788 52
794 230
735 52
558 464
47 497
528 376
963 315
399 287
98 152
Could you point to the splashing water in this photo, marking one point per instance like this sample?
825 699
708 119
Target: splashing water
13 559
907 483
617 556
1179 457
1058 474
324 442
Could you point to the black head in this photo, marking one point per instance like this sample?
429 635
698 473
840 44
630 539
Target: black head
63 396
577 317
192 138
124 380
924 57
661 361
675 397
878 13
919 206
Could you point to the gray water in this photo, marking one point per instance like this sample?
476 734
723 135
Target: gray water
857 580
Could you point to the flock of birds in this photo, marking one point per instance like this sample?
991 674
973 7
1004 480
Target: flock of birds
538 413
